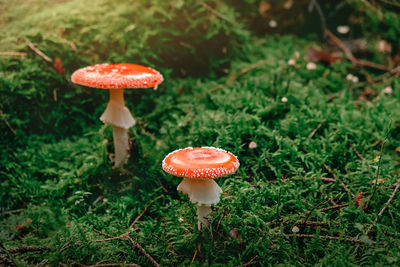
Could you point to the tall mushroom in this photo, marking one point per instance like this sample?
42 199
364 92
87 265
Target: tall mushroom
199 166
116 78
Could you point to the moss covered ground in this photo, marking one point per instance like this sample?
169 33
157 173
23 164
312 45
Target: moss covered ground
321 140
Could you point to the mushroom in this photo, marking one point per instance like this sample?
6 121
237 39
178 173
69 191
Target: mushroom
199 166
116 78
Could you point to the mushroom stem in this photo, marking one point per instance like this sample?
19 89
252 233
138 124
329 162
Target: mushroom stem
202 191
116 113
202 213
119 116
121 145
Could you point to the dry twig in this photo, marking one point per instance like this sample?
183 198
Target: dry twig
385 206
24 249
7 123
315 130
194 257
339 206
144 252
352 58
340 181
18 54
250 262
325 179
144 210
347 239
39 53
126 236
216 13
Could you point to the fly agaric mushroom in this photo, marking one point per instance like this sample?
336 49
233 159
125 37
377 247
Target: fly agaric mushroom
199 166
116 78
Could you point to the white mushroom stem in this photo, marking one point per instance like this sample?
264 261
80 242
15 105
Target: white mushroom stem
121 145
204 192
202 216
121 119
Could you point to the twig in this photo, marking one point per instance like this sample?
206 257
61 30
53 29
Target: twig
340 181
352 58
171 248
315 130
377 174
162 186
314 3
385 206
391 3
194 257
8 257
256 65
235 76
39 53
144 252
103 234
144 210
339 206
309 212
126 236
18 54
357 152
250 262
7 123
100 198
120 237
312 223
342 46
42 263
325 179
334 203
24 249
335 238
216 13
11 211
385 76
113 265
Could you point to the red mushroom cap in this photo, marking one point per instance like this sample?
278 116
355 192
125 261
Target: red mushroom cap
117 76
200 162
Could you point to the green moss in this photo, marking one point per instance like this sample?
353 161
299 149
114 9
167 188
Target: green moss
55 171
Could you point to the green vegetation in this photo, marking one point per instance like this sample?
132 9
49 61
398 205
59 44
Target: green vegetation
225 86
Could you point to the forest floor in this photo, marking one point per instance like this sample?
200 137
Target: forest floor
318 143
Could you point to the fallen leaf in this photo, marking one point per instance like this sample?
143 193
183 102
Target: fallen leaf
263 8
315 55
59 66
358 200
20 227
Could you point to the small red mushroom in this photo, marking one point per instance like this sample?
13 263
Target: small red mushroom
116 78
199 166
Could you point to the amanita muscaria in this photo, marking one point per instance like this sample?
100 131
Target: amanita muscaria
116 78
199 166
